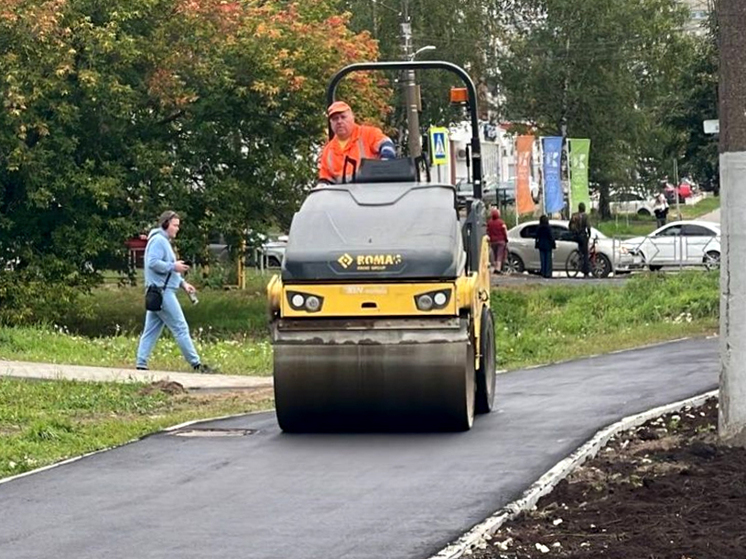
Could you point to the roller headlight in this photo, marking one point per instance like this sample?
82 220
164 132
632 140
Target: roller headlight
304 301
313 303
425 302
433 300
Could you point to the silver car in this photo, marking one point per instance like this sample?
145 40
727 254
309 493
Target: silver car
271 253
522 256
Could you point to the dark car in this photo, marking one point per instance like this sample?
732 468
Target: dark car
506 193
465 190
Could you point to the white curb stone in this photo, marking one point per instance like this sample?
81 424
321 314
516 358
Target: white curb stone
482 532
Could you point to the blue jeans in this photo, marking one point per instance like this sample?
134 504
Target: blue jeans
546 263
172 316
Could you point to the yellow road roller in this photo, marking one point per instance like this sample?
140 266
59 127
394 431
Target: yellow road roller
380 318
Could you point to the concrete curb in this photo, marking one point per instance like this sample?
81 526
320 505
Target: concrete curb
562 469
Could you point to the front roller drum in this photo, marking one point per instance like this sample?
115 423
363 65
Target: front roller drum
403 386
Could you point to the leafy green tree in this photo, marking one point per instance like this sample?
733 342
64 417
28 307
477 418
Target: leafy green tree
696 101
113 111
463 35
596 69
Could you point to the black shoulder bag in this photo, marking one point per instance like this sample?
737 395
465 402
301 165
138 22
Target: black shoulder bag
154 296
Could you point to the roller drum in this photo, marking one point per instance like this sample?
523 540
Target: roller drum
374 375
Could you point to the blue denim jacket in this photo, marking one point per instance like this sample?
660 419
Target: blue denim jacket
159 260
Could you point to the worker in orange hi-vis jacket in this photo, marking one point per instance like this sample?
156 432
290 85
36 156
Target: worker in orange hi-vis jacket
350 140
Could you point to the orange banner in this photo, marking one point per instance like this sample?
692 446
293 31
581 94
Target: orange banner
524 149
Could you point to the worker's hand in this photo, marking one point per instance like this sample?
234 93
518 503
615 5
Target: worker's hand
180 267
189 288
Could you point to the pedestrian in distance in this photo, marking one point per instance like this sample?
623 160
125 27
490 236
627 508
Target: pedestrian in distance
660 209
546 244
498 234
581 230
163 274
350 141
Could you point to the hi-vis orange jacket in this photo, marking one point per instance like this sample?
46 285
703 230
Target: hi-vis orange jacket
364 143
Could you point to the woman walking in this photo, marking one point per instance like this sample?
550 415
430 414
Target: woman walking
498 234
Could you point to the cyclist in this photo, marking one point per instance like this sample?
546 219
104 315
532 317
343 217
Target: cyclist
581 230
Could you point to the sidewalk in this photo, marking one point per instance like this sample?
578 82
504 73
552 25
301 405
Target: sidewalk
22 369
713 217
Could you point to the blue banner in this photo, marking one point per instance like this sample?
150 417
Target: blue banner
554 200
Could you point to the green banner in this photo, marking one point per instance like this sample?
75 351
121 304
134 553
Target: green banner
579 155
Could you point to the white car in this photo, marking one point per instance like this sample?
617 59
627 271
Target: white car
679 243
632 203
522 256
628 202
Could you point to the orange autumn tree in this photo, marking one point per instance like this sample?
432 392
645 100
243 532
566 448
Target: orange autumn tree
258 72
114 110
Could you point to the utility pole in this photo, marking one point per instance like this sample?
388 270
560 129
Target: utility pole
732 41
375 19
410 88
565 165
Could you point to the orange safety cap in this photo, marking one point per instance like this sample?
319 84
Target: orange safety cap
337 107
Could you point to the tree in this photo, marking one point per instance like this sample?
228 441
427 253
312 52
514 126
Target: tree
114 111
463 35
696 102
597 69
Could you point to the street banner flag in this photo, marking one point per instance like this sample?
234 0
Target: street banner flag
554 200
579 157
524 148
439 145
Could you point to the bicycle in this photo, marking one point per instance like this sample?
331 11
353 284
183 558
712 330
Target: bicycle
574 262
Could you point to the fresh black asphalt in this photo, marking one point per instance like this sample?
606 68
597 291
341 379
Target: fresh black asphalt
373 496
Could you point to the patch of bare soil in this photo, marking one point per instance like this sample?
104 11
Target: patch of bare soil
166 386
666 490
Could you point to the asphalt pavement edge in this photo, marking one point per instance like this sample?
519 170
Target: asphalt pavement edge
107 449
480 535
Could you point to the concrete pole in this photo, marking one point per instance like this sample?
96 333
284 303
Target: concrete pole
732 39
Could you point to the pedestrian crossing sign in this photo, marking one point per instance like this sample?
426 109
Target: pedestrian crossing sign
439 145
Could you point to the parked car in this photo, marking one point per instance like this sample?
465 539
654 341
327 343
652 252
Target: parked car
262 251
632 202
522 256
273 251
627 202
684 190
679 243
465 190
506 193
502 193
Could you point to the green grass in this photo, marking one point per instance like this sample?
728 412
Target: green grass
45 422
115 310
538 325
709 204
626 226
235 355
229 329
